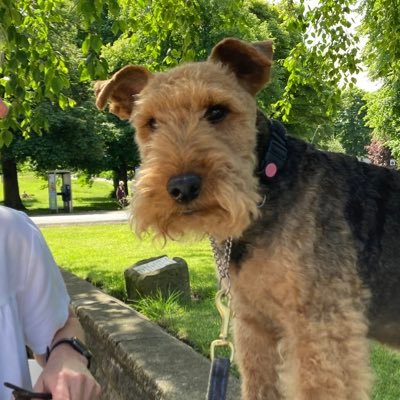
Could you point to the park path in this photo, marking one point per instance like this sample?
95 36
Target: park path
92 217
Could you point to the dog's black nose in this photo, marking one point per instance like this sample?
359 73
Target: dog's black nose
184 188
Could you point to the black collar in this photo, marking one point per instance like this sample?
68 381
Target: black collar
276 154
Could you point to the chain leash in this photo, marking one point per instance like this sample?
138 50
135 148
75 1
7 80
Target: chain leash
222 256
220 366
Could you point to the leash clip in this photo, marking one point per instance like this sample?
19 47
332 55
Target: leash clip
222 302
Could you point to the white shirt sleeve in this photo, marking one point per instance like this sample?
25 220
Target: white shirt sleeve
43 300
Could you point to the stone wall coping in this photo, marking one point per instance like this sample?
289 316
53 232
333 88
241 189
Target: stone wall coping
156 363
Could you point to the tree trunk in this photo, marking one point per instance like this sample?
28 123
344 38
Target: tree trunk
10 182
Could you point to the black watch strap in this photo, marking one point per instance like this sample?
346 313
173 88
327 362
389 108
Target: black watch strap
76 344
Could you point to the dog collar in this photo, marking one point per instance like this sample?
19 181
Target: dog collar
276 154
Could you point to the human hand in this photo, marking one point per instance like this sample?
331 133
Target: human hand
66 377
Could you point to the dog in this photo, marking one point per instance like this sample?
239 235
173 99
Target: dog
314 265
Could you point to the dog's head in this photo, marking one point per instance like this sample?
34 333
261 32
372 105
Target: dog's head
196 132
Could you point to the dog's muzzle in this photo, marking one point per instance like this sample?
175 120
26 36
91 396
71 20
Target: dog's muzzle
184 188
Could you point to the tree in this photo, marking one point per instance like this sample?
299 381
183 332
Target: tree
315 51
326 55
33 70
254 20
382 55
350 125
329 53
39 80
120 151
70 143
383 116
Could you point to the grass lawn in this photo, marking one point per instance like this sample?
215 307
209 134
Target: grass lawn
84 197
102 252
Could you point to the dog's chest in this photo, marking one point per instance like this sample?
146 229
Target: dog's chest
267 282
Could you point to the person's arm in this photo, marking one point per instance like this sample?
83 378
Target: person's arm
65 374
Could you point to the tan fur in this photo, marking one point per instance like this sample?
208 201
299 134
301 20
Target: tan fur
230 201
299 334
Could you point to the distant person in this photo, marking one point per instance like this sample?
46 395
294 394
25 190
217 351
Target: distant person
120 194
25 195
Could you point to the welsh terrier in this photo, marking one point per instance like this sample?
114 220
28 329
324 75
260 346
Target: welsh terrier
314 267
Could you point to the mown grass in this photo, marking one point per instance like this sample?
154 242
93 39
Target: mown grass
386 363
95 196
100 253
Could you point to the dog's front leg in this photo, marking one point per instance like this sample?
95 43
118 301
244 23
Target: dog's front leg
258 357
332 358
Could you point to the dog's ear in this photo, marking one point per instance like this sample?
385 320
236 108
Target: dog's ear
121 89
251 62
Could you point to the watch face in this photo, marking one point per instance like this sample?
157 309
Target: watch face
78 343
80 346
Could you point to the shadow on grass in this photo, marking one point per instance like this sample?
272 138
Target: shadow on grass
90 206
109 282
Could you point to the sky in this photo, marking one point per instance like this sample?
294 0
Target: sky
363 82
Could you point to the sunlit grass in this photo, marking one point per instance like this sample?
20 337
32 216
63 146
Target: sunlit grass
101 253
84 197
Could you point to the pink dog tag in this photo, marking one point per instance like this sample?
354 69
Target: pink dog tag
271 170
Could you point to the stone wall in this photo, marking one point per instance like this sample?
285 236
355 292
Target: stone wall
134 359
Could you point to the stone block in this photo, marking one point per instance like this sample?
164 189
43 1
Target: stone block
158 274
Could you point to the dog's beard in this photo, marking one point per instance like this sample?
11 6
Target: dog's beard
226 206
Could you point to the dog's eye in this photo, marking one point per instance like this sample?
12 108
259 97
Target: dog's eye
215 114
152 124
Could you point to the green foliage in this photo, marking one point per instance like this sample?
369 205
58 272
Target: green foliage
33 68
326 54
120 150
170 30
381 25
162 33
316 52
70 143
350 126
383 116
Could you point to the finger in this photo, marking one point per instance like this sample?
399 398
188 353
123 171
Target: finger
76 390
61 391
90 389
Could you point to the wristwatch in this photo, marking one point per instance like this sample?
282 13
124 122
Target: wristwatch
76 344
